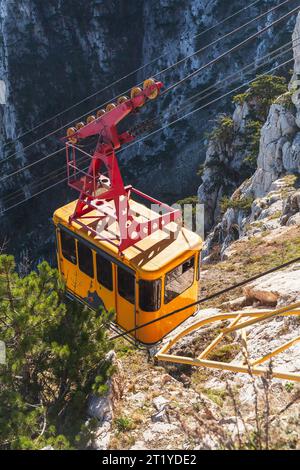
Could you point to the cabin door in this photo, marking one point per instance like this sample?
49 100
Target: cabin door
125 297
105 286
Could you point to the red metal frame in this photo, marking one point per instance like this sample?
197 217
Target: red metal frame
97 188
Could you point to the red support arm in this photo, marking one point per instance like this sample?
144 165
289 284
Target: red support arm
106 124
96 188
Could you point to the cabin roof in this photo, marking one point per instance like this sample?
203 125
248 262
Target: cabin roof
149 254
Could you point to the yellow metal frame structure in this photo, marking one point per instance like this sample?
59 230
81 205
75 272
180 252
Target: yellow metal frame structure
240 321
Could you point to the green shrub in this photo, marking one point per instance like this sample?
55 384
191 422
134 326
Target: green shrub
263 91
216 395
223 130
123 424
56 353
252 142
188 200
224 353
289 386
243 203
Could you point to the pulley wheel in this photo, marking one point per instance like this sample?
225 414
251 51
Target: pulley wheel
100 112
135 92
70 132
122 99
90 119
148 83
110 107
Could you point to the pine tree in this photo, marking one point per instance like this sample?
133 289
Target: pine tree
55 357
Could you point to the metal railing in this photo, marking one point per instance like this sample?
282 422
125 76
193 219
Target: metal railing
240 321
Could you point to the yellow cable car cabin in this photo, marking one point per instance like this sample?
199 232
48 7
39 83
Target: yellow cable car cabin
157 275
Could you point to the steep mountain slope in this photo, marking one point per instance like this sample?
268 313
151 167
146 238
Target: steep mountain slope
171 406
269 198
52 55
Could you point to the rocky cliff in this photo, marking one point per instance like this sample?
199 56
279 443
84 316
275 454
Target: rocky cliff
54 54
269 198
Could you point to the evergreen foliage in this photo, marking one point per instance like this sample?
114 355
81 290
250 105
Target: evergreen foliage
262 93
55 352
244 204
223 130
252 142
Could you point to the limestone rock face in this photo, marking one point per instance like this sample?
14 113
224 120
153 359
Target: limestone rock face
218 157
279 150
296 35
291 208
101 408
273 186
209 193
279 154
278 208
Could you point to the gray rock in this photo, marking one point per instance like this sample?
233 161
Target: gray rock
137 398
100 407
160 417
160 403
159 428
291 207
294 220
139 445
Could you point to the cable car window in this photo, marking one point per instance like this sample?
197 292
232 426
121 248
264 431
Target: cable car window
85 259
179 279
126 284
68 247
150 295
104 272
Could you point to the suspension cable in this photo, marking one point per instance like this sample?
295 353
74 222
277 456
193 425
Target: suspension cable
2 211
209 297
31 164
233 49
206 65
124 77
236 30
154 132
50 174
267 58
212 87
202 107
230 78
44 179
